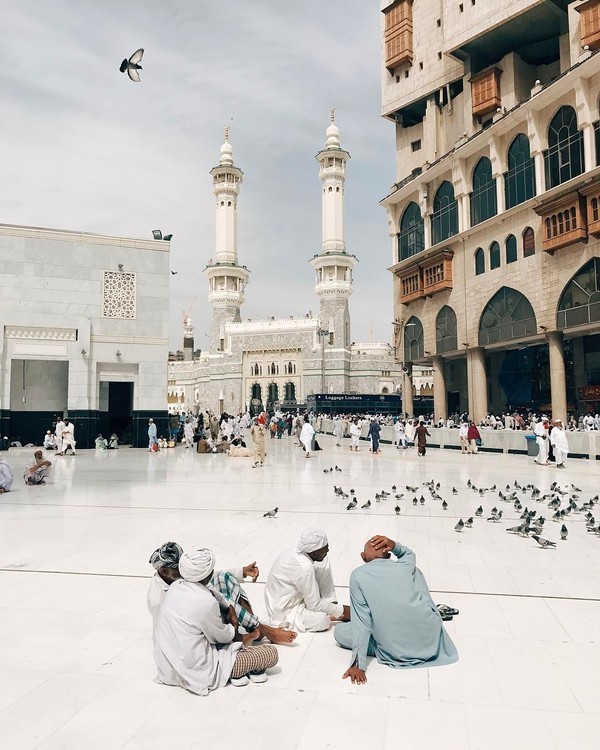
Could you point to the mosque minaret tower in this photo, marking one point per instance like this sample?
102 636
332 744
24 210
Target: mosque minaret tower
333 265
226 278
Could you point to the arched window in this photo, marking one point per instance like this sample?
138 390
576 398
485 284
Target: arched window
413 340
519 181
256 391
444 219
410 237
483 197
446 339
528 242
494 255
508 315
510 245
580 301
384 390
564 158
479 261
290 392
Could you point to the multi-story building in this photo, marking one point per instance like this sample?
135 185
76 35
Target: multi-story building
495 215
255 364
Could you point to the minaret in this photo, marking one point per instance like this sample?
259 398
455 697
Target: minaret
333 265
188 339
226 279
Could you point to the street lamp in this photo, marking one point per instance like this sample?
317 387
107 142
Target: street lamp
400 328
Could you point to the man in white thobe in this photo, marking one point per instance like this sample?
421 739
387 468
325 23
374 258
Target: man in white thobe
193 647
306 437
7 476
58 432
300 590
68 438
188 433
560 444
37 470
541 438
337 430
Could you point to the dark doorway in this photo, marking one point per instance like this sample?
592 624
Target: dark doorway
120 409
453 402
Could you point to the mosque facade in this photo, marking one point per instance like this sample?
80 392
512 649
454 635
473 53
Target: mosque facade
254 364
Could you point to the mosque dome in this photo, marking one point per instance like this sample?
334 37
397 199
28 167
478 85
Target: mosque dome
333 133
226 150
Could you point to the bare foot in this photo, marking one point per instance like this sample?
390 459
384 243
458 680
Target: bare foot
249 638
281 636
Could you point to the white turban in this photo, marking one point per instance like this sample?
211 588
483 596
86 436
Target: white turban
196 564
312 539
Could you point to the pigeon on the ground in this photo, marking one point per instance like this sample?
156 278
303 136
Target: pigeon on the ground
270 513
469 522
352 492
460 525
366 505
411 489
415 501
393 488
337 468
454 491
352 504
515 529
496 516
132 65
564 532
422 500
325 471
397 509
444 505
544 543
479 511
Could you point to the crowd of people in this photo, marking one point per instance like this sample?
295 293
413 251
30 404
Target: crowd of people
206 632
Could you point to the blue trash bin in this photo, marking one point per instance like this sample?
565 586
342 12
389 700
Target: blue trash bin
532 448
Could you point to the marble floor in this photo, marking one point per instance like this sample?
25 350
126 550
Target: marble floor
76 667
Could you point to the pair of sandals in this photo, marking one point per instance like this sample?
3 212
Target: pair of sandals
446 612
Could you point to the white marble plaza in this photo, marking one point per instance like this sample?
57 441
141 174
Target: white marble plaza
76 668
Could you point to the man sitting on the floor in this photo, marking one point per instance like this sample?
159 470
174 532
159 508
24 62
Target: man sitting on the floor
393 615
6 476
193 647
224 585
37 470
300 588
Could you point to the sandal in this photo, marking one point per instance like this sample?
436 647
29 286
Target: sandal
445 609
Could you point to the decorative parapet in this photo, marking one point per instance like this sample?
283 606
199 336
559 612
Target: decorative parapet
564 222
33 333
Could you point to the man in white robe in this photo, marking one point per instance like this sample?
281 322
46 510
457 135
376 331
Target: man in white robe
354 435
560 444
194 647
306 436
37 470
188 433
58 432
7 476
68 438
541 438
300 590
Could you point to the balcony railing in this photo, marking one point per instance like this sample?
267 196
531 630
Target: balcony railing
411 285
437 273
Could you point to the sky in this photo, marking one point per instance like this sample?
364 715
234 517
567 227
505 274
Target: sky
84 148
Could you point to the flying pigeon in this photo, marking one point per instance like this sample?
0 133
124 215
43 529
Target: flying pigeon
460 525
351 505
270 513
564 532
544 543
132 65
366 505
397 509
174 273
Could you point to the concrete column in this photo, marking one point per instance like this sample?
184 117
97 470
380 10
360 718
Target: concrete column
464 212
558 381
589 148
540 180
440 398
477 379
407 394
427 230
500 192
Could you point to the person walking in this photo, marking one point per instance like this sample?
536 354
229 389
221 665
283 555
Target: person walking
307 435
558 439
152 433
474 438
337 430
354 434
463 434
541 438
257 432
68 438
374 434
421 435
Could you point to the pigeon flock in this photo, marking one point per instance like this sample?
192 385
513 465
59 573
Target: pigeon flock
561 502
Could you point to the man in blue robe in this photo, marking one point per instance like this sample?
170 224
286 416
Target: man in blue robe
392 614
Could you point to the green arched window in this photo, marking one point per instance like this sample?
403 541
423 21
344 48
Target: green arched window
510 246
446 339
413 340
564 157
479 261
508 315
580 301
444 219
411 236
519 181
483 198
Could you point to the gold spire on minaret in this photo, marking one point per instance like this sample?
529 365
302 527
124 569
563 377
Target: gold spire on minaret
332 111
226 134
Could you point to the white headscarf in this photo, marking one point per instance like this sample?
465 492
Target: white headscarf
196 564
312 539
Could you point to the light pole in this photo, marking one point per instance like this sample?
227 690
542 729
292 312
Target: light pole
399 328
322 334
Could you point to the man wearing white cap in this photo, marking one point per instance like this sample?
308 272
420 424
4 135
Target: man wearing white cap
560 444
541 438
300 588
194 647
